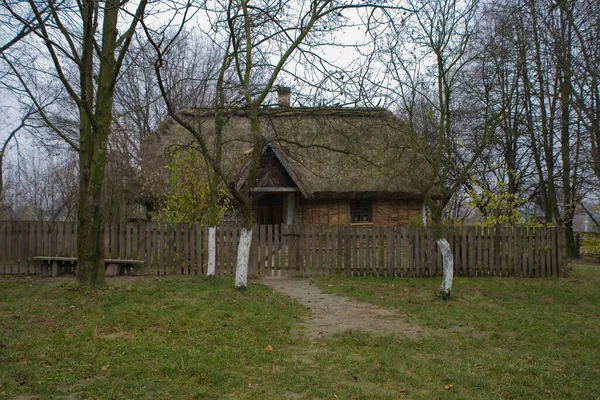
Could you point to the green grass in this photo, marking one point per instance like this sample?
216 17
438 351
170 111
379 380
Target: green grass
148 339
496 338
184 338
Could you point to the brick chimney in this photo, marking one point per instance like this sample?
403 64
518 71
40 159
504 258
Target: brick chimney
283 96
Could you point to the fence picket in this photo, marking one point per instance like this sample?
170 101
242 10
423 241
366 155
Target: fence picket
380 263
556 254
389 249
269 258
339 245
277 249
307 250
409 248
300 255
150 258
516 260
224 251
161 248
231 246
402 253
353 250
198 248
186 249
327 260
314 264
524 252
363 252
3 244
347 251
310 250
9 250
373 264
563 254
431 253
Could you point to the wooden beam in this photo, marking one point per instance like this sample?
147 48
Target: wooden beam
275 189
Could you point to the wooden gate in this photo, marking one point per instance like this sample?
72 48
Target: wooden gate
273 250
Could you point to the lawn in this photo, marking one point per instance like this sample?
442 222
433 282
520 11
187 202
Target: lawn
184 338
497 338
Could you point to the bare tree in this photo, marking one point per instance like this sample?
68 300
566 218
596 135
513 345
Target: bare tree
584 21
84 45
430 59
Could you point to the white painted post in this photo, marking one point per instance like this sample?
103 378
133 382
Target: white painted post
241 271
212 250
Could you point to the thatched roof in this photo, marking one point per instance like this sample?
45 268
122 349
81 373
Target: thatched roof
328 152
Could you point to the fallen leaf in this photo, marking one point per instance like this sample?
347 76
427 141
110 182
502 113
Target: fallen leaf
105 367
448 386
268 349
402 390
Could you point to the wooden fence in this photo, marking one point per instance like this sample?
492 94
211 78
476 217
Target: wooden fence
297 250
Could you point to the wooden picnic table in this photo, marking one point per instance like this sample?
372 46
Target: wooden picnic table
114 266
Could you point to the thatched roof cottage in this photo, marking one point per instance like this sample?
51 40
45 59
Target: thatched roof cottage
331 166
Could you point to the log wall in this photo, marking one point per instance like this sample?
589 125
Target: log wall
393 212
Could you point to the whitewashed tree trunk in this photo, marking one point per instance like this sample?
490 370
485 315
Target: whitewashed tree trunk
212 250
448 268
241 271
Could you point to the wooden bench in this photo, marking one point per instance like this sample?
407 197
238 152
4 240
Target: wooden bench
114 266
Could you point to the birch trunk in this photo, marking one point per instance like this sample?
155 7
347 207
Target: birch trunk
448 268
212 249
241 271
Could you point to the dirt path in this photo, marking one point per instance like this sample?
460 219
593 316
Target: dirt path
334 314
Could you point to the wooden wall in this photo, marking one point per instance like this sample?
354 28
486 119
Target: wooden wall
386 212
396 212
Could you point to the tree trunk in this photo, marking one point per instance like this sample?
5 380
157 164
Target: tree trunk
241 271
90 261
448 268
564 64
439 233
212 249
90 258
570 242
213 186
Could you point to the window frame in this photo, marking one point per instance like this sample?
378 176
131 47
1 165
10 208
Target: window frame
365 209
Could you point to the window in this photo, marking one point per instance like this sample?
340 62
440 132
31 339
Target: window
360 211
